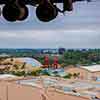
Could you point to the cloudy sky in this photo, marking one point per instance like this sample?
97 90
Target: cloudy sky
77 29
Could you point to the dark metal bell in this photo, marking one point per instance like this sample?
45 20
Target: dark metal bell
67 5
23 13
11 12
46 12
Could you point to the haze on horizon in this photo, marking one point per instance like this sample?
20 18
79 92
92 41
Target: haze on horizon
77 29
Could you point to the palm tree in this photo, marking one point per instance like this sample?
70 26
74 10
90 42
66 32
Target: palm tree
23 65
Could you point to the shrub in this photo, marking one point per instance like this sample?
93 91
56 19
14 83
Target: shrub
68 76
75 75
35 72
18 73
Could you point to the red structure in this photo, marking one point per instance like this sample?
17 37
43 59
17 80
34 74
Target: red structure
46 61
55 63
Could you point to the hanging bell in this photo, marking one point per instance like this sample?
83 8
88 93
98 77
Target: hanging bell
11 12
67 5
46 12
23 13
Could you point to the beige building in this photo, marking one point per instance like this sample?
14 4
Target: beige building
86 72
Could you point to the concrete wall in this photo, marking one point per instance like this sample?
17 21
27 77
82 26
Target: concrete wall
97 74
53 95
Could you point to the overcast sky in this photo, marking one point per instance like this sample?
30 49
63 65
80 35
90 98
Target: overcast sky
77 29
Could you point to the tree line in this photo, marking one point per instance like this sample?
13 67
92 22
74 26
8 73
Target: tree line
76 57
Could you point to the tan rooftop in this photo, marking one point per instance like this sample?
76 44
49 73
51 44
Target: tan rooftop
11 91
29 90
